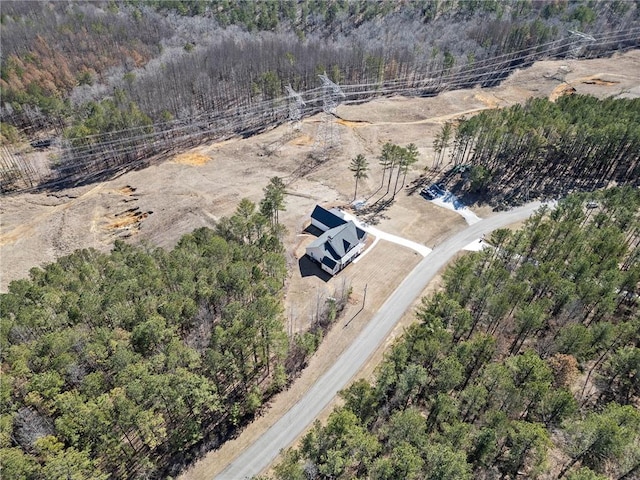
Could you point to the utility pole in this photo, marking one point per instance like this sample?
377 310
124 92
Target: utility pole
364 298
332 95
582 41
295 109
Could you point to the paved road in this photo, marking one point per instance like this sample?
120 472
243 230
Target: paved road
262 453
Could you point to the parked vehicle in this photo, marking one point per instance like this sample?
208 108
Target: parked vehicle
426 192
43 143
434 191
438 189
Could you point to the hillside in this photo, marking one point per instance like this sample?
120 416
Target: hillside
120 85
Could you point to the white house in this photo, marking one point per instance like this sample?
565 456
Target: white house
337 247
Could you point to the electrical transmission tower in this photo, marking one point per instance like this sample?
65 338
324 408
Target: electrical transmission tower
327 137
295 109
577 50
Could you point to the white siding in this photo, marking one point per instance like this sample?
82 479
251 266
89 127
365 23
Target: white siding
318 224
335 270
316 253
351 254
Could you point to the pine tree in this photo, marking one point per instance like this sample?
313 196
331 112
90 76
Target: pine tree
359 166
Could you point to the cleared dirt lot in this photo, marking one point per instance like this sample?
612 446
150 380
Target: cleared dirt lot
161 203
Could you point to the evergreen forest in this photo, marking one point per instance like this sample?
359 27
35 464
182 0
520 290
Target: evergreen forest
544 149
525 365
109 85
127 364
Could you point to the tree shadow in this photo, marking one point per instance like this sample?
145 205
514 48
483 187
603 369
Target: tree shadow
309 268
375 212
422 181
457 186
514 190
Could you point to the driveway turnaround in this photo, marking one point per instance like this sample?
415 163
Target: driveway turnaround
281 434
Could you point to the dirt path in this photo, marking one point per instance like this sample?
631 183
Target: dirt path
435 120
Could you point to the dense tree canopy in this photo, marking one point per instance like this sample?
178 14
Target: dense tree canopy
548 149
531 348
118 364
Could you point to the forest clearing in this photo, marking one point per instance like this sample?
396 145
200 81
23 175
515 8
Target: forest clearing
205 183
172 307
162 202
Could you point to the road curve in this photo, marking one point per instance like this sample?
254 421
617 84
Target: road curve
281 434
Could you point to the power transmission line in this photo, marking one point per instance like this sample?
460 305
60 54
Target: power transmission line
327 135
296 104
579 47
96 149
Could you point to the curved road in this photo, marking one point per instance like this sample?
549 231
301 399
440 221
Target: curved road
282 433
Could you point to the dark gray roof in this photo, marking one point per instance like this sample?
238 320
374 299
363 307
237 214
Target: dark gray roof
339 241
329 262
326 217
